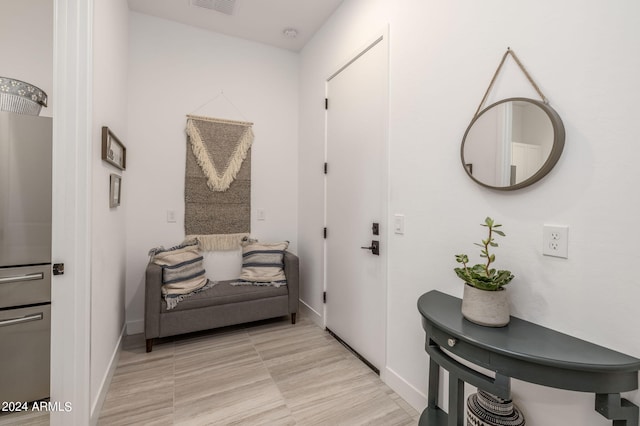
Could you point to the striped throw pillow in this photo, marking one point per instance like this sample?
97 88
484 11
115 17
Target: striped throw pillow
263 262
182 268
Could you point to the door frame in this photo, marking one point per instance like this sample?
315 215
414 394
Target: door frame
379 37
71 211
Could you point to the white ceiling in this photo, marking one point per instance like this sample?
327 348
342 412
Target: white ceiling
257 20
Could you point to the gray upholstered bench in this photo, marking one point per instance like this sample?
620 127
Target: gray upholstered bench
218 306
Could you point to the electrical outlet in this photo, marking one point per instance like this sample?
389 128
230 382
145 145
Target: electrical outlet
555 240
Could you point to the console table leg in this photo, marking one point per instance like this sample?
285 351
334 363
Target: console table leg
620 410
434 383
456 401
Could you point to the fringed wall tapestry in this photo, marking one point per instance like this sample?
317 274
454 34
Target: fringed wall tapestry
218 182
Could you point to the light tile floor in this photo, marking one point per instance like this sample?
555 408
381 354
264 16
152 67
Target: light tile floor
266 373
269 373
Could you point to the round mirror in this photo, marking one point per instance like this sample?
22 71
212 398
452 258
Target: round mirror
512 143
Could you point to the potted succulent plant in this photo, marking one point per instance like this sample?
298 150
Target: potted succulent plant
485 299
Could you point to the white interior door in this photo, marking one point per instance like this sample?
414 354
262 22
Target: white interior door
356 185
527 160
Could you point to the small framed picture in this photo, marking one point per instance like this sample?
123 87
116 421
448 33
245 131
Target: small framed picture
113 151
115 189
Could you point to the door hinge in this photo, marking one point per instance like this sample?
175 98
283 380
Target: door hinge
324 297
326 103
324 233
326 168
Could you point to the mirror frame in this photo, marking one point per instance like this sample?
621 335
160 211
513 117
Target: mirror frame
554 155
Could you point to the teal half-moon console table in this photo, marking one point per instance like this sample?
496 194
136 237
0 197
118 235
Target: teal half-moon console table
521 350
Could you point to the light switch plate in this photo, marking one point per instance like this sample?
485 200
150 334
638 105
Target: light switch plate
398 223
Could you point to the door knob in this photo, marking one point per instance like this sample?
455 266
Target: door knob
374 247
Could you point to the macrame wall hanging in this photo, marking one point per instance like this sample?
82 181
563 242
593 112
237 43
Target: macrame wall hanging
218 182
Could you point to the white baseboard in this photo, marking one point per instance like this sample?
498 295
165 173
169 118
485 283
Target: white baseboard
96 408
135 327
408 392
311 313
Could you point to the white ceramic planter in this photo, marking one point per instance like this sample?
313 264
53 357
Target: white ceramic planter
488 308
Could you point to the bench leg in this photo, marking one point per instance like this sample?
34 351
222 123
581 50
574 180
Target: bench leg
149 345
293 318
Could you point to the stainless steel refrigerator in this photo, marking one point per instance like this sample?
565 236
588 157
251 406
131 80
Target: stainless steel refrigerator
25 256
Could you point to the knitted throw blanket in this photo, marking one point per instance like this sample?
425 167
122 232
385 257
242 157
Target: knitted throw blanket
218 182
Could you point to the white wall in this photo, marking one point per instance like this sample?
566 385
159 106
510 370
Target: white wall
442 57
26 43
176 70
108 255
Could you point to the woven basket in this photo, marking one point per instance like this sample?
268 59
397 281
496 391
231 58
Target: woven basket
20 97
